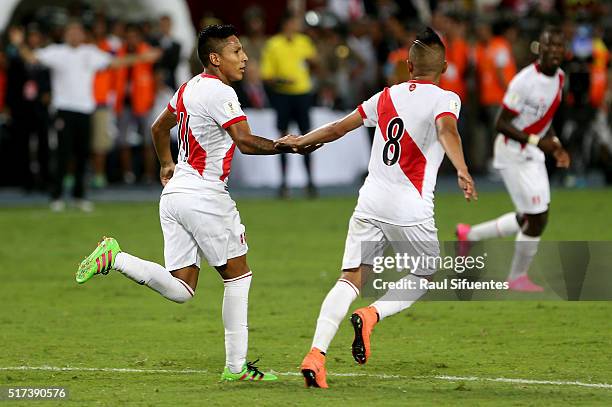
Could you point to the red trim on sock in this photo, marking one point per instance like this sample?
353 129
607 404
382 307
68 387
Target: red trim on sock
186 286
350 284
231 280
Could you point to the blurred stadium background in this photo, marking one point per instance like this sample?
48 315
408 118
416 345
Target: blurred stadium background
361 45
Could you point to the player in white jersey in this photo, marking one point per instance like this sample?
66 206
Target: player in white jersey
197 214
416 123
526 134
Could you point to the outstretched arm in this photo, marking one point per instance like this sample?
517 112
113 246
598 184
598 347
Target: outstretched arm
326 133
160 132
448 135
251 144
151 55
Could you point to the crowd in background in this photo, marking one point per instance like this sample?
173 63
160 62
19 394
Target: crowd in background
343 53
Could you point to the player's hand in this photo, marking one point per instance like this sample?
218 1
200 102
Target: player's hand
288 142
165 173
562 157
16 36
549 144
466 183
308 149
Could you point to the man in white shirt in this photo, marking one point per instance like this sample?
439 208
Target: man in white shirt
73 65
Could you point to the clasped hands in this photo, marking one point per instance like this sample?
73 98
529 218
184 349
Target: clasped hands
295 144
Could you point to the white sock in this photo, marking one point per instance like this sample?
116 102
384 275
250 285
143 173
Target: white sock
505 225
525 249
333 310
397 300
235 311
153 276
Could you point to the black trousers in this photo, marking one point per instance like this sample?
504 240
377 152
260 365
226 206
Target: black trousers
73 139
293 108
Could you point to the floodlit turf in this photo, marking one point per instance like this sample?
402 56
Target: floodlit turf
46 319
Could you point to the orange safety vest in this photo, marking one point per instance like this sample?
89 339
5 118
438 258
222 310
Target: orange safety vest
142 84
103 81
599 73
491 91
457 54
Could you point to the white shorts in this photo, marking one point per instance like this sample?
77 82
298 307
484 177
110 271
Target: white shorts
528 186
374 236
196 225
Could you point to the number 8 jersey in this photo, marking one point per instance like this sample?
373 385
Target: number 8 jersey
406 154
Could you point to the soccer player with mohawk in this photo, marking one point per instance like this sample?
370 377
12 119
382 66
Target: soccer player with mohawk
416 123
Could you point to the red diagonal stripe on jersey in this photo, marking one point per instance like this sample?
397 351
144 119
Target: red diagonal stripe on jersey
197 155
540 124
227 162
412 161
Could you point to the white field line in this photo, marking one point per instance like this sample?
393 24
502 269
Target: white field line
376 376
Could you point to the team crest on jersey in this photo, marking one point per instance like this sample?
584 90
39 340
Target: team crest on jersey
412 87
230 108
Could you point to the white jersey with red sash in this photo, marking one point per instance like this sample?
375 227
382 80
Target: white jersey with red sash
205 107
406 154
534 98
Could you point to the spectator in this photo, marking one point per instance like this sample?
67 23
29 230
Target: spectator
103 95
28 98
285 67
135 89
251 91
255 38
171 51
495 67
73 65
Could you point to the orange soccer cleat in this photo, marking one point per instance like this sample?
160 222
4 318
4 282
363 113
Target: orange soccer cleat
313 369
363 321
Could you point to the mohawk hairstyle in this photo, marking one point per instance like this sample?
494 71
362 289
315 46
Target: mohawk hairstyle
211 38
428 37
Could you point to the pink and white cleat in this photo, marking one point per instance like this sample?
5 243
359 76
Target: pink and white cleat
464 245
524 284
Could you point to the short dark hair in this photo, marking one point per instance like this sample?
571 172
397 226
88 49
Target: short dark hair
429 37
211 37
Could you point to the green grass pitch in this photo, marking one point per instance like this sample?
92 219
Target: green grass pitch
46 319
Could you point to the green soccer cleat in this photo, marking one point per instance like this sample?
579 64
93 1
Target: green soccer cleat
100 261
250 372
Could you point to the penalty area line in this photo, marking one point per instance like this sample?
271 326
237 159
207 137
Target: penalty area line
370 375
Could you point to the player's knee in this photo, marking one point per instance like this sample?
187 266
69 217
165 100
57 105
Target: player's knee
182 297
536 224
353 275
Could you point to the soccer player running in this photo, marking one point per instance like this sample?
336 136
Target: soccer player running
416 123
526 134
196 212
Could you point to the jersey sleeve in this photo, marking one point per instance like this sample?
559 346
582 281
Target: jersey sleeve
49 56
267 69
226 110
448 104
99 59
514 96
369 110
310 51
172 103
